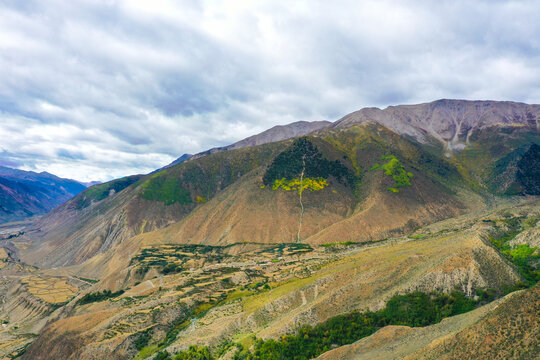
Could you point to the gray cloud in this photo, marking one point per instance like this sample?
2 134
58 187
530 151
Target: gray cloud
99 89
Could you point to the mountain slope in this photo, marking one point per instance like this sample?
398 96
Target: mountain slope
451 122
261 240
27 193
501 330
359 209
378 200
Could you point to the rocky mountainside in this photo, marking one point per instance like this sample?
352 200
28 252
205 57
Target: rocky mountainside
27 193
453 123
237 247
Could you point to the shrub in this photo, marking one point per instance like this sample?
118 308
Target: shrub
195 353
99 296
142 340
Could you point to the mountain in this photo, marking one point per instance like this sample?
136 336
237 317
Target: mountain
452 123
90 183
181 159
277 133
27 193
359 209
233 248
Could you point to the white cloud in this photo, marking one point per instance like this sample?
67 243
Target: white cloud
100 89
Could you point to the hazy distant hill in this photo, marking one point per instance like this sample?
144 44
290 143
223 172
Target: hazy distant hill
27 193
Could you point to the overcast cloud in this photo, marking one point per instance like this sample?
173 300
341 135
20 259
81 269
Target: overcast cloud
95 90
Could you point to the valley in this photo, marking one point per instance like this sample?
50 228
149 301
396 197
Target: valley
240 252
204 295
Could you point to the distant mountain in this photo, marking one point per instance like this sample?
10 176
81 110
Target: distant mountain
90 183
277 133
27 193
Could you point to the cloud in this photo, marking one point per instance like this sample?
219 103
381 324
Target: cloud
94 90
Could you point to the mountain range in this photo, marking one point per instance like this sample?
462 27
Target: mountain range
236 247
27 193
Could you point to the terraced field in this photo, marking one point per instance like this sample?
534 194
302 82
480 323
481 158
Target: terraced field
178 295
52 290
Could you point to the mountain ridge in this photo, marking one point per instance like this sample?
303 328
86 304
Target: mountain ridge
276 133
28 193
236 249
153 202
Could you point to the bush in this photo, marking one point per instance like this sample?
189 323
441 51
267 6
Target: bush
142 340
195 353
99 296
162 355
171 268
415 309
395 169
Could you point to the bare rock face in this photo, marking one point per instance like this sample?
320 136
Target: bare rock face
451 122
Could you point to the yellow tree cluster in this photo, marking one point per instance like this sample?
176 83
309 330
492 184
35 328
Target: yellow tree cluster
312 184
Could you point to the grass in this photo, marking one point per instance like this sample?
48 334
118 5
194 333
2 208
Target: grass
99 296
525 258
102 191
167 190
396 170
146 352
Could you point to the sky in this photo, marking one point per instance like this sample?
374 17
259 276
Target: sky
96 90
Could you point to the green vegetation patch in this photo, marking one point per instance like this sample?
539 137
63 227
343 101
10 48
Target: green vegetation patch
142 340
303 156
528 173
194 353
170 258
290 248
99 296
101 191
396 170
415 309
525 258
166 189
340 243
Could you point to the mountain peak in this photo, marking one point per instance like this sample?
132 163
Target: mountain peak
450 122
